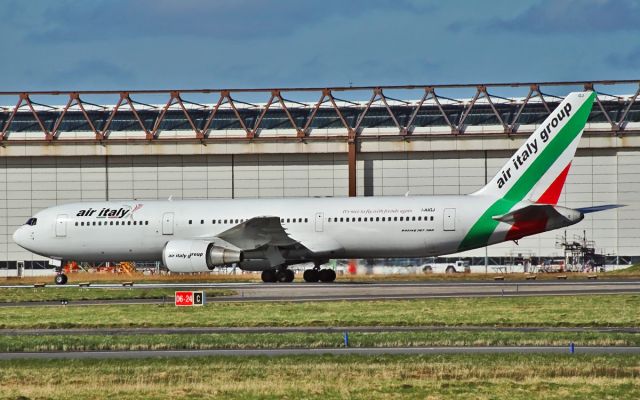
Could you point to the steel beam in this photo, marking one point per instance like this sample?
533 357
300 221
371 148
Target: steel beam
351 115
353 158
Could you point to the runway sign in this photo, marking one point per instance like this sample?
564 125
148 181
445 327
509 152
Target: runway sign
189 298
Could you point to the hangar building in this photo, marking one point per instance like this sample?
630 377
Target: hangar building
61 147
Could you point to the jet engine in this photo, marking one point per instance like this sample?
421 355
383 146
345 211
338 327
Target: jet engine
197 255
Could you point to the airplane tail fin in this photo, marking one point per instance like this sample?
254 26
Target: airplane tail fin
537 171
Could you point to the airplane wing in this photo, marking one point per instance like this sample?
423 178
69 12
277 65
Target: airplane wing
267 232
257 232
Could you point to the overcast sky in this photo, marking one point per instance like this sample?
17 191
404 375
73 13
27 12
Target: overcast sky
150 44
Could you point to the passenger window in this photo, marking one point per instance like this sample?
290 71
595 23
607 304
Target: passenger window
377 219
76 223
201 222
146 223
413 219
432 217
190 222
329 220
110 222
359 219
94 223
341 219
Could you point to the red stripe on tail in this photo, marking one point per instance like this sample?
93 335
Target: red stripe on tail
552 194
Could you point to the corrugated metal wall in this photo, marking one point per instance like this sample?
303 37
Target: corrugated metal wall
598 176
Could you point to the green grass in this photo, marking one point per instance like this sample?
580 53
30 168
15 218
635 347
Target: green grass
308 340
12 295
597 311
328 377
633 270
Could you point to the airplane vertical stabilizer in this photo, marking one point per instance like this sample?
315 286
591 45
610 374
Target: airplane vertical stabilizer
538 169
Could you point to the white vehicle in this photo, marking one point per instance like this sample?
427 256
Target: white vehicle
269 235
447 268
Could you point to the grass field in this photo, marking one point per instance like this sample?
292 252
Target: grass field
329 377
59 293
629 273
309 340
603 310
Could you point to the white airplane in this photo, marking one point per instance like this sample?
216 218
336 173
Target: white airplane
269 235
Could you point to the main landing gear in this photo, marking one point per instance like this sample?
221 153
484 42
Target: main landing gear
280 275
286 275
316 274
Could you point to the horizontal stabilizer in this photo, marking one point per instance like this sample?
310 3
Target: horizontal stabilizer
529 213
539 212
536 218
587 210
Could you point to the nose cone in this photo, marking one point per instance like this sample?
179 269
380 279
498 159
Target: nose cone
20 237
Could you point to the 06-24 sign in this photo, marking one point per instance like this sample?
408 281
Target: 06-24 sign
189 298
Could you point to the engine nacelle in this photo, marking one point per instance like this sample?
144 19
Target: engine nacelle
197 255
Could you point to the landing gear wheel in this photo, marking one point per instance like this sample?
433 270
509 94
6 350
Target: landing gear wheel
268 275
285 275
311 275
61 279
327 275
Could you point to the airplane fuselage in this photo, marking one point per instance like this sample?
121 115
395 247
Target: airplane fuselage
358 227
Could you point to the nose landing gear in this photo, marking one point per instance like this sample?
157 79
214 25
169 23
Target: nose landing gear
60 279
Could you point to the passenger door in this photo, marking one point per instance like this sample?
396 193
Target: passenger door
319 222
167 223
61 225
449 219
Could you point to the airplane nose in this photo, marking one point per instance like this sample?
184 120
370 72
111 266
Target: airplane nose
20 236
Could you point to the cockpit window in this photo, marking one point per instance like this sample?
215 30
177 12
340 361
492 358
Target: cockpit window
31 221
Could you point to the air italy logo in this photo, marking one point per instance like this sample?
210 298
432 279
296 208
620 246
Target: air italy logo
110 213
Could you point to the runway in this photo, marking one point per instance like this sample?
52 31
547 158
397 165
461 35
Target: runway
100 355
304 292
